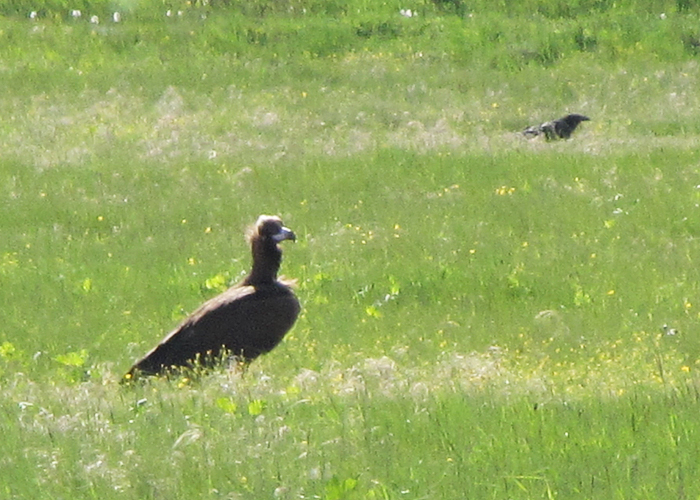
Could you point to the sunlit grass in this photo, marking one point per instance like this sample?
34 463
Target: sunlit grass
484 316
376 429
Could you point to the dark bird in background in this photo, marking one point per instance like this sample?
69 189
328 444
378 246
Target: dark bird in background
247 320
557 129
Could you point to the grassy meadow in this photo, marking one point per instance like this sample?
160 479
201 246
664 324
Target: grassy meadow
484 316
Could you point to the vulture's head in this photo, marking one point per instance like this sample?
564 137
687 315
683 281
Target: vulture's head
269 228
264 237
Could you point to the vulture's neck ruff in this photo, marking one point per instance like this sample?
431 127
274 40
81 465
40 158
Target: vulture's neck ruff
267 255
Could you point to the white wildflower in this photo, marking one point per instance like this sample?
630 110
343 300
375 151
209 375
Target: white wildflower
280 492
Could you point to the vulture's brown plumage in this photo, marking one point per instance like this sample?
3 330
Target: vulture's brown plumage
247 320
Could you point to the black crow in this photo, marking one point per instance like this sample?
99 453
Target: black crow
557 129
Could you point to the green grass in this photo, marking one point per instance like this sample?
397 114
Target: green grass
484 316
321 439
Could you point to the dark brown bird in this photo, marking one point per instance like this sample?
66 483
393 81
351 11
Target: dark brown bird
557 129
247 320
